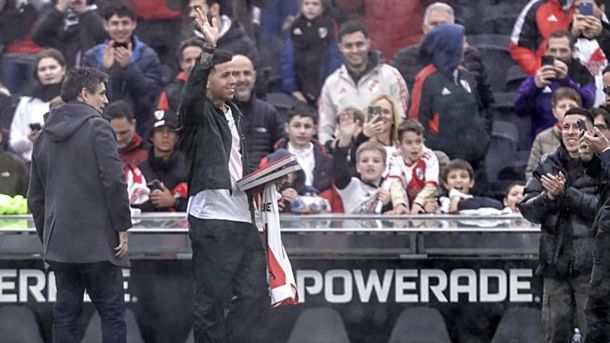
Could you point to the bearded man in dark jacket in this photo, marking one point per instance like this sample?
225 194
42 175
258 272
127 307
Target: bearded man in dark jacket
263 126
563 198
228 256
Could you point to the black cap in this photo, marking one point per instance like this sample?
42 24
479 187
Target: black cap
165 117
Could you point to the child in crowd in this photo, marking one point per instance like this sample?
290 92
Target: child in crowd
513 197
546 141
311 155
458 179
311 52
370 192
416 167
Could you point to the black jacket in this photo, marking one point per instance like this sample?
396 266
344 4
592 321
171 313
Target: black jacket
237 41
263 127
205 136
77 194
171 172
566 240
15 22
52 31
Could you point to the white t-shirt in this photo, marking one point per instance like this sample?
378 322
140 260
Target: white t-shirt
220 203
358 197
307 161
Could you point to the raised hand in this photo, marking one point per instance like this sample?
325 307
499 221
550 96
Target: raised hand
210 30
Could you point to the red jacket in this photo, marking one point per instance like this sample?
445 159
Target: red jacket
538 19
392 24
134 153
158 9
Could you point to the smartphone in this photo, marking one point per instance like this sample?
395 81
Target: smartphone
35 126
581 125
154 185
123 45
548 60
585 8
374 113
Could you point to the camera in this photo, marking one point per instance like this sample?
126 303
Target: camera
155 185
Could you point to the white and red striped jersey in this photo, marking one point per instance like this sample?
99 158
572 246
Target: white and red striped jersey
416 175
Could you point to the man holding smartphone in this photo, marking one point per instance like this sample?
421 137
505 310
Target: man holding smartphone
558 69
133 67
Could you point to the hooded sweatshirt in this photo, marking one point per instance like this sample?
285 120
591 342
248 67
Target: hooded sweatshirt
446 100
77 193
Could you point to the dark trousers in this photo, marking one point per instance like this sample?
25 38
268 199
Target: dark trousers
563 307
103 281
598 302
229 269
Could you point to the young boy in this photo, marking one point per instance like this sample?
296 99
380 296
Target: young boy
311 52
458 179
416 167
370 192
546 141
311 155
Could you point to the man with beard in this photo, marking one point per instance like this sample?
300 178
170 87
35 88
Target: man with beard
263 125
228 256
561 70
562 197
363 76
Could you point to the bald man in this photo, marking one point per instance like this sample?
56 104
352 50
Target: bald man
263 125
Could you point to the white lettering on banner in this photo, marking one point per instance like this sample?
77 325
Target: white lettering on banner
329 290
365 290
469 288
7 286
426 275
23 285
417 285
403 286
485 276
520 285
36 288
316 288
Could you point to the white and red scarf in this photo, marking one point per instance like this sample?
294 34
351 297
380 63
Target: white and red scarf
282 287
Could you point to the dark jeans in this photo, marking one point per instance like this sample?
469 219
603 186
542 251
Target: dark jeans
103 281
229 270
598 302
563 307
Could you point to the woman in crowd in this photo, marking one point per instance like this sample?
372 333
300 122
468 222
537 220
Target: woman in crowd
49 72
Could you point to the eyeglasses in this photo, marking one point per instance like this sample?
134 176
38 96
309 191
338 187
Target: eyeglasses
606 90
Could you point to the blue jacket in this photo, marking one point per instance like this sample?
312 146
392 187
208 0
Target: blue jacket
536 102
309 44
138 83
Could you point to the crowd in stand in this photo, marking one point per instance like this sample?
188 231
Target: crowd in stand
312 78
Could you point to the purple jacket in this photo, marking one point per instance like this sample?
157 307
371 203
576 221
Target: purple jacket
536 102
